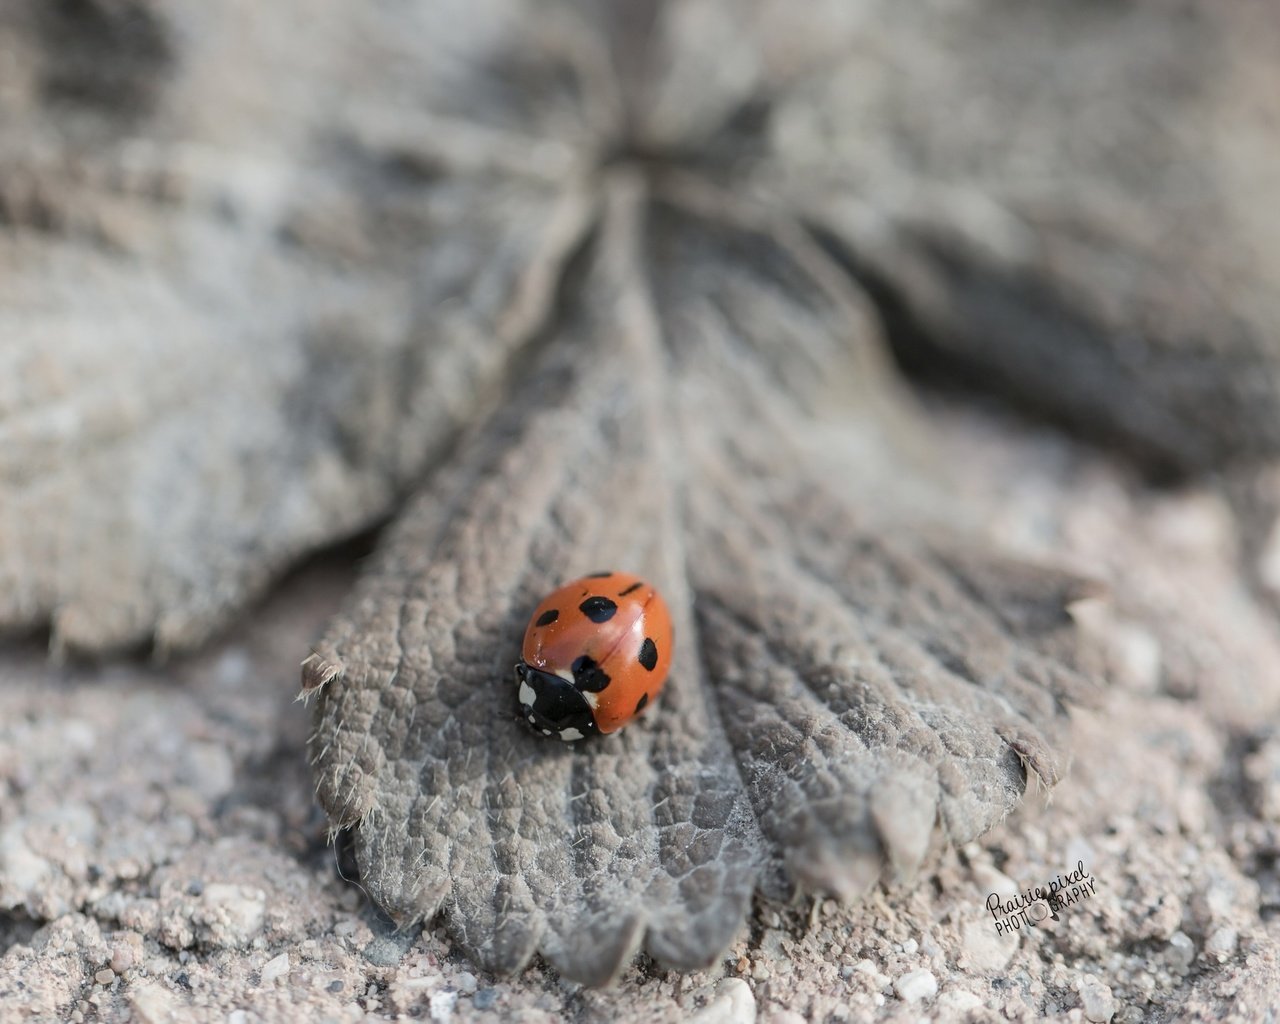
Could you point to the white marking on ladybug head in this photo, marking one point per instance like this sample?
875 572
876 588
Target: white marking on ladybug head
565 674
569 735
546 732
591 698
527 696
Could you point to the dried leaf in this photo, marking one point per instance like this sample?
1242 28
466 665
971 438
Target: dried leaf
837 693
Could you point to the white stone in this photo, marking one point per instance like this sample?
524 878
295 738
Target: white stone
234 913
1222 943
982 949
1182 951
1096 999
956 1003
276 967
990 880
441 1006
733 1004
150 1003
916 985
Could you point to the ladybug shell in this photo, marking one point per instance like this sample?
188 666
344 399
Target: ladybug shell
609 636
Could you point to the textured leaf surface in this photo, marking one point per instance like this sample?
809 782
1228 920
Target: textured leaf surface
837 694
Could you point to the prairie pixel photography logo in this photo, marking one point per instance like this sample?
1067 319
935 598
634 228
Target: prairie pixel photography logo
1035 904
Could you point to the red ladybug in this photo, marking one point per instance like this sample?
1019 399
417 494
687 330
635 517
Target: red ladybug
595 655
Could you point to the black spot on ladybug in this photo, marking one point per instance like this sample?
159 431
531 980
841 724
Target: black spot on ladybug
589 676
548 617
644 699
649 654
599 575
598 609
634 586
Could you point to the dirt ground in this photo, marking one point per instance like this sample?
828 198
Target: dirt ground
162 858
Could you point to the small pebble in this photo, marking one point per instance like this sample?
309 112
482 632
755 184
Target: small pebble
335 986
982 949
958 1002
275 968
466 983
1222 943
1182 951
916 985
441 1006
1096 999
105 976
734 1003
990 880
485 998
121 958
910 946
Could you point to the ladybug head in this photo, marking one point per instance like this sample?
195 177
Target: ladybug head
552 705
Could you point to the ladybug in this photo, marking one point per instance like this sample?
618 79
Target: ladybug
595 654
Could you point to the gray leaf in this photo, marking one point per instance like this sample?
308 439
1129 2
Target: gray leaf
824 715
